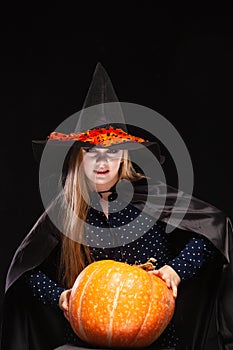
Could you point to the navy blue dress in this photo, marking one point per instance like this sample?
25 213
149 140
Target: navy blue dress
137 238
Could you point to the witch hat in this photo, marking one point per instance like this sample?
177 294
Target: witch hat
100 122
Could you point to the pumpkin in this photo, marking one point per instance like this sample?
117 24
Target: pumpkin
114 304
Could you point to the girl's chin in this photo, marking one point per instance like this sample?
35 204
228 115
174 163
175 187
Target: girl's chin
102 180
107 181
106 177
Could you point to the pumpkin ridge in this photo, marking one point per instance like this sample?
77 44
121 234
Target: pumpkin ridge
148 311
116 298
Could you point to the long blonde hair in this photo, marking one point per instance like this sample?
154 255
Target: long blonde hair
76 256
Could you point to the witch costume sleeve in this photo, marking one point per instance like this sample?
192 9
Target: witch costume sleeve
203 316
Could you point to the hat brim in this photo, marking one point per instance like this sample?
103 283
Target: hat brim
151 142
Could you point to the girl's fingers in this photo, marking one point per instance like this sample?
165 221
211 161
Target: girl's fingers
169 278
174 289
168 282
65 306
164 277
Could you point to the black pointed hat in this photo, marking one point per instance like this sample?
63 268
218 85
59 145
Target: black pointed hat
100 122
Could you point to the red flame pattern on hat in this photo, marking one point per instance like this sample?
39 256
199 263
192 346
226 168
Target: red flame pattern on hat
98 136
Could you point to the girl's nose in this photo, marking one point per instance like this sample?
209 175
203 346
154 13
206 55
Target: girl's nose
102 158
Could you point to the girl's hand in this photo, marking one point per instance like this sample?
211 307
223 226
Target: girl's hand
170 276
64 302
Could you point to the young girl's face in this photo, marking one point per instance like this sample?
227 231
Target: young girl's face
101 166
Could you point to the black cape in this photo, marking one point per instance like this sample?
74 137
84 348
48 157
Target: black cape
204 307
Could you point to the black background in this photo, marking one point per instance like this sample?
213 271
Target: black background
181 68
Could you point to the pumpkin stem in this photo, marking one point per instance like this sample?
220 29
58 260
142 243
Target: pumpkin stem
148 266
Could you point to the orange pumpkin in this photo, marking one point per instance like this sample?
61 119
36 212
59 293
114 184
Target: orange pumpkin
114 304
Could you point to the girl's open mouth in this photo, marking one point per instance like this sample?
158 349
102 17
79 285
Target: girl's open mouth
101 172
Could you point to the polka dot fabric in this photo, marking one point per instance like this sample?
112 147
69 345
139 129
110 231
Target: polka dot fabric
43 288
149 240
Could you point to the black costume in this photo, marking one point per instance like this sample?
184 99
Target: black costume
203 317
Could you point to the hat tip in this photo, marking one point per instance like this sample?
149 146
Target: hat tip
99 68
99 64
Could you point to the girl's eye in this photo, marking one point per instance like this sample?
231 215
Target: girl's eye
90 150
112 151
